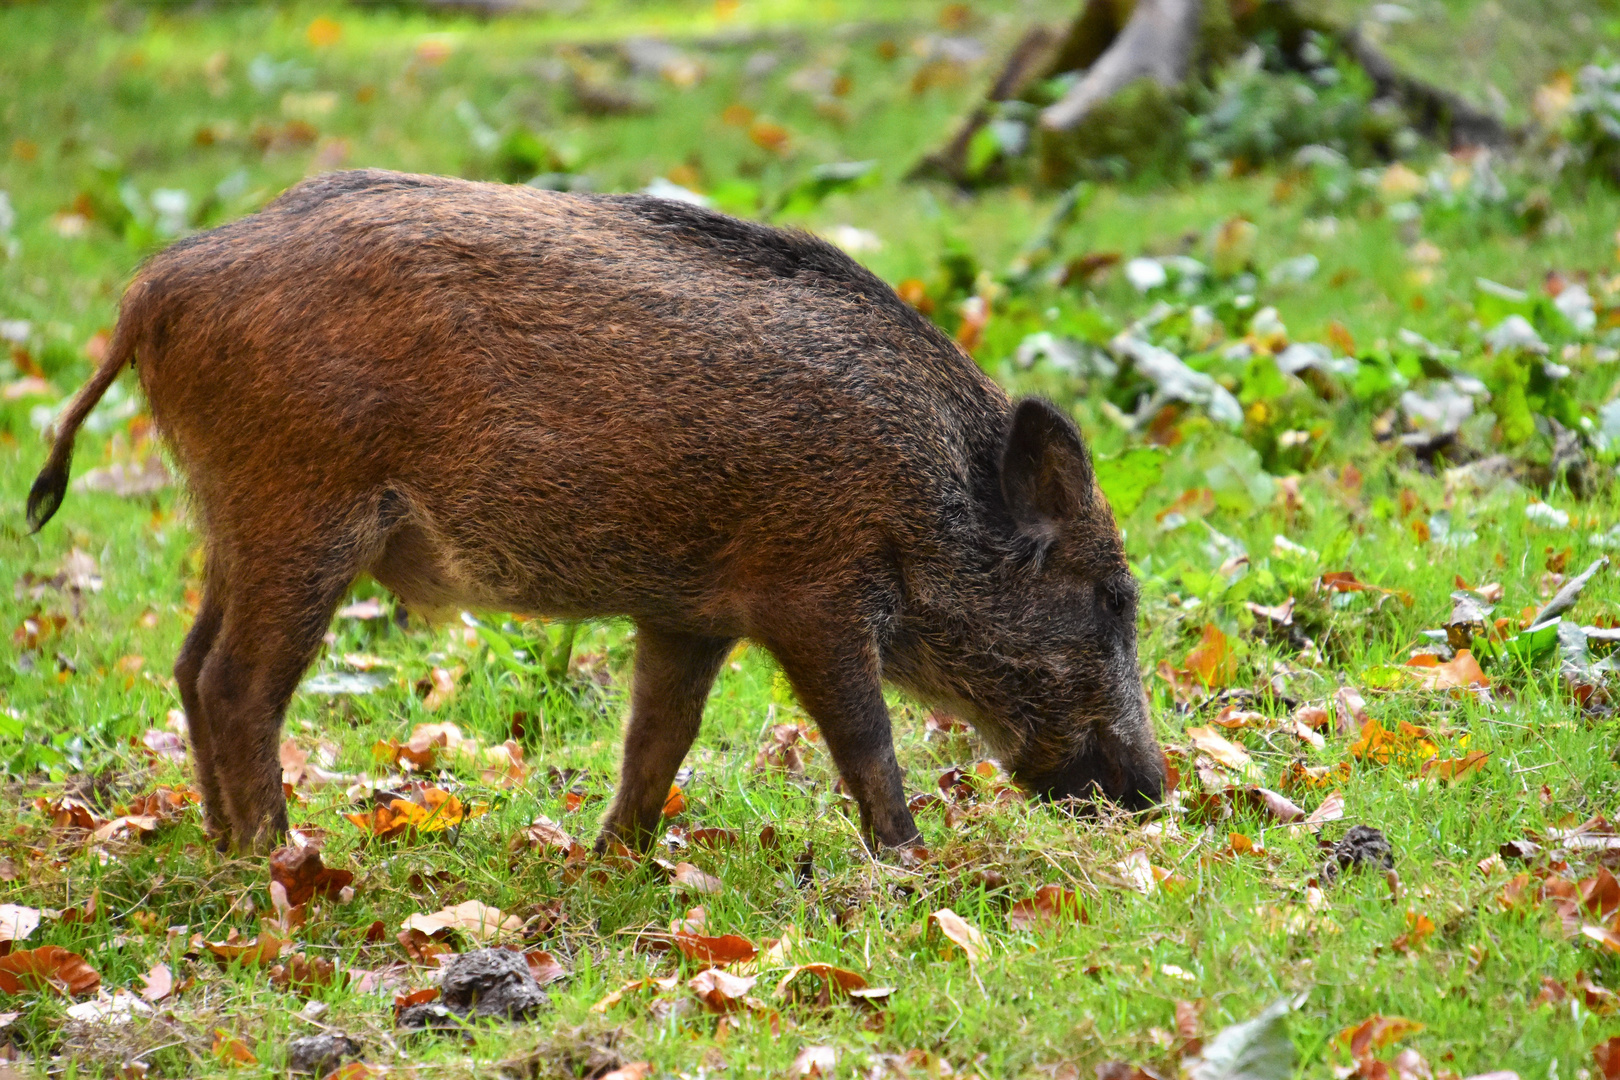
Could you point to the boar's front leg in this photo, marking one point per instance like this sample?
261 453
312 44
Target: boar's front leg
841 686
674 672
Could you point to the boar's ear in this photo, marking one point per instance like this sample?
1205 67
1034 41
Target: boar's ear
1046 476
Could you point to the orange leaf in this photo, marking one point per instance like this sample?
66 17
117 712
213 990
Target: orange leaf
1211 660
260 952
961 933
1051 906
48 967
726 949
1454 769
720 991
1460 672
299 870
676 802
231 1050
1377 1032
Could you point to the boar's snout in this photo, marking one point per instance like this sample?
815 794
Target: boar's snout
1123 764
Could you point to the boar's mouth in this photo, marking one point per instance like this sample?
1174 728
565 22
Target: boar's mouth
1094 777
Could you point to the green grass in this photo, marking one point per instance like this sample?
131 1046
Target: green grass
98 99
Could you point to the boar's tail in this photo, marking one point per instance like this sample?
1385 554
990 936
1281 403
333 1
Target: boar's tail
50 486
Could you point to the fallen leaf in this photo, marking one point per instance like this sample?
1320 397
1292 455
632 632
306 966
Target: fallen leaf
675 803
1051 906
16 923
1607 1057
544 967
48 967
1460 672
631 987
966 937
1211 660
813 1061
1377 1032
299 870
165 744
833 980
1216 746
1419 927
159 983
547 835
1454 769
1407 744
691 879
477 920
636 1070
720 991
302 974
421 948
725 949
232 1051
1258 1049
259 952
1140 874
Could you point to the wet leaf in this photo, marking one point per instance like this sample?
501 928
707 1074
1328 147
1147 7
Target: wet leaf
961 934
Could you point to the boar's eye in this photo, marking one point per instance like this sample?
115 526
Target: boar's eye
1118 595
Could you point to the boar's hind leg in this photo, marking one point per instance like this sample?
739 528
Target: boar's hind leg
270 630
842 690
187 666
673 675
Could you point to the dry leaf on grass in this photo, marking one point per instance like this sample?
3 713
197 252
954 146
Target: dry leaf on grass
16 923
1460 672
49 967
725 949
1052 906
230 1050
814 1061
1454 769
631 987
259 952
473 918
159 983
1226 753
960 933
833 980
720 991
689 878
1377 1032
299 870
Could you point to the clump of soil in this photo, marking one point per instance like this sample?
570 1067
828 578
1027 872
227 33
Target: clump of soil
320 1054
485 984
1362 846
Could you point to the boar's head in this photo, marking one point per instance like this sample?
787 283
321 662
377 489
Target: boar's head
1049 670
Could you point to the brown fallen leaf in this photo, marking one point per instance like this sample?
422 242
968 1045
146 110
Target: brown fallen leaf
262 951
960 933
299 870
49 967
725 949
544 967
473 918
1051 906
1377 1032
833 980
1226 753
423 949
720 991
714 838
690 879
1606 1055
1460 672
302 974
1454 769
633 986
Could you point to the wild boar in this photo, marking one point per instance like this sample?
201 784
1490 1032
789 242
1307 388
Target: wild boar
614 405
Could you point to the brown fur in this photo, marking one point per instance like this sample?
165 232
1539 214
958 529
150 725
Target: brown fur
584 406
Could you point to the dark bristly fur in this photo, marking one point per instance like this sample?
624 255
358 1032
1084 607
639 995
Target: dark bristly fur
576 406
